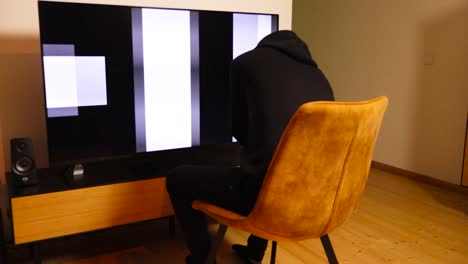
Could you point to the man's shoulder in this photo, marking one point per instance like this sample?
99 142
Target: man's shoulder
252 57
244 56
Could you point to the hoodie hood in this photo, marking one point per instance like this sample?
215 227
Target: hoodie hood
289 43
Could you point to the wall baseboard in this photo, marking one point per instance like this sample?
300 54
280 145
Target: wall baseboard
419 177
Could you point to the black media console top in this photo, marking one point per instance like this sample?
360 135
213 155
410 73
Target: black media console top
124 170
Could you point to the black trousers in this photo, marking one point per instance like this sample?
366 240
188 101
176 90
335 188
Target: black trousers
229 188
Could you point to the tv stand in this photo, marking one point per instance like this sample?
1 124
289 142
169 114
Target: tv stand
106 198
112 193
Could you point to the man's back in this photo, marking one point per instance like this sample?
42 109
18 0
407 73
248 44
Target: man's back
269 84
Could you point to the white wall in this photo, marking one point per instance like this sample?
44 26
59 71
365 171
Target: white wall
369 48
21 93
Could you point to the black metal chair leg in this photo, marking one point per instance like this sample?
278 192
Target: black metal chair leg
215 245
273 253
326 243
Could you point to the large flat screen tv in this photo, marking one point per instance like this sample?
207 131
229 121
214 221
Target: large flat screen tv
124 80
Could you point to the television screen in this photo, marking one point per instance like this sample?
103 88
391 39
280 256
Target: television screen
122 80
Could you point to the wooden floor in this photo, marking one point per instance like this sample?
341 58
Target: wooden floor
398 221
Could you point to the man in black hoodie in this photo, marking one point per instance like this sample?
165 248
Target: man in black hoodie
268 85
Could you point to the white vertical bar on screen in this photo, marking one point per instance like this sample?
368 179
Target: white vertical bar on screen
248 30
244 33
166 56
264 26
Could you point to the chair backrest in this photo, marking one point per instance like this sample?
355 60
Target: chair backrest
319 169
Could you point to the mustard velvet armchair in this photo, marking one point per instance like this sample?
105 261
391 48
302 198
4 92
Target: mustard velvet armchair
316 177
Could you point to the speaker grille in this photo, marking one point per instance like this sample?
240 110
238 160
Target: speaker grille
24 164
20 147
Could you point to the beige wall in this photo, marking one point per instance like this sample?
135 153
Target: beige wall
369 48
21 98
21 93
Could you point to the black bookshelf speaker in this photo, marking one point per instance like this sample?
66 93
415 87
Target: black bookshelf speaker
23 165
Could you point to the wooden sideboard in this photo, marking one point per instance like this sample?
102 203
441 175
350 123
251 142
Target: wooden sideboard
112 193
56 214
